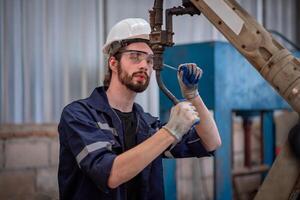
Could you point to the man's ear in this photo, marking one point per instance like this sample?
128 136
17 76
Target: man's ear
113 63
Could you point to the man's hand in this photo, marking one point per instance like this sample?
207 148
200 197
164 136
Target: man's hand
183 116
188 76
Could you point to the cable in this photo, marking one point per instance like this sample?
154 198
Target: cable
295 46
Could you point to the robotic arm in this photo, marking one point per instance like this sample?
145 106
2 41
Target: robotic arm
274 62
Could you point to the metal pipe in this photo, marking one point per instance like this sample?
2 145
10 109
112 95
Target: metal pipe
164 89
159 38
158 9
247 142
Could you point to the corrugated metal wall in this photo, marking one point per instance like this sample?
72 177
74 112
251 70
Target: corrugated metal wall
51 49
49 56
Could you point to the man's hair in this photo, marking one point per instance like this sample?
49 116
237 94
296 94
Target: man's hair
107 77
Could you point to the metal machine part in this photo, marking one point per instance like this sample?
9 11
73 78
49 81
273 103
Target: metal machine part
294 139
274 62
159 39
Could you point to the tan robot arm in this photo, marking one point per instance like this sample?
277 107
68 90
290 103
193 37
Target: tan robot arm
274 62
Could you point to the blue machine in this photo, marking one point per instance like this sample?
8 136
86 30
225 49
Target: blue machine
229 83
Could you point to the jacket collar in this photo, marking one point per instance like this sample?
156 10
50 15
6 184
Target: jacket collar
98 101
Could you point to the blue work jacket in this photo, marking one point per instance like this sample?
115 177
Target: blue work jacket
91 136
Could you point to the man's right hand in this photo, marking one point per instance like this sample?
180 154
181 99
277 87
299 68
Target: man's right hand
183 116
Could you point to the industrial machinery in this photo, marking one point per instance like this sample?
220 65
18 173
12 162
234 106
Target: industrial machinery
274 62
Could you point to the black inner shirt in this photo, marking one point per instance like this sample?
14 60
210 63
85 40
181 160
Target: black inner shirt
129 122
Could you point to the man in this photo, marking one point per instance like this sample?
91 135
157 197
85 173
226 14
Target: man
109 147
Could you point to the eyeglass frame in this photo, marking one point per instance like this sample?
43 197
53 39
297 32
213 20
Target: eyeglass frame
146 56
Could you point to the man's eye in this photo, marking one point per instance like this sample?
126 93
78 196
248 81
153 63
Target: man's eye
134 55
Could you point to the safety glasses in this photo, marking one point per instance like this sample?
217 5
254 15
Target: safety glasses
136 56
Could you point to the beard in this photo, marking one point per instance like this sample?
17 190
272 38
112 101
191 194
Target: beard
127 80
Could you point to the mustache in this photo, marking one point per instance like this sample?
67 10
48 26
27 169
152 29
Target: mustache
140 73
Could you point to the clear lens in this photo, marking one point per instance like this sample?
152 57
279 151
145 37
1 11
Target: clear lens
138 56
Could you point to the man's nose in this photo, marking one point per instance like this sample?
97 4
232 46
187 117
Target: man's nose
144 65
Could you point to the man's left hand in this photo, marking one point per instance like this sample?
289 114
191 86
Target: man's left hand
188 76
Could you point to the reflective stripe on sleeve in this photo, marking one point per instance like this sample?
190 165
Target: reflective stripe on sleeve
92 147
193 141
168 153
105 126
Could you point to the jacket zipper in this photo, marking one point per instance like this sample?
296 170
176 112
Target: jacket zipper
137 124
123 148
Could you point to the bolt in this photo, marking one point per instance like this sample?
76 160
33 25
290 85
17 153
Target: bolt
295 91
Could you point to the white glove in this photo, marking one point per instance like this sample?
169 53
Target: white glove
188 76
183 116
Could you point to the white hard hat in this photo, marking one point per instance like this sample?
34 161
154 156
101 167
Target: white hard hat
131 28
